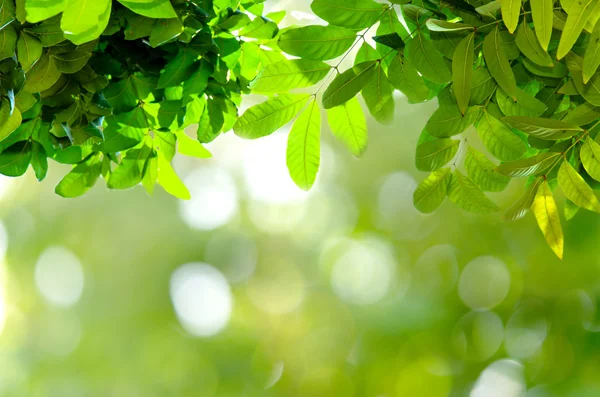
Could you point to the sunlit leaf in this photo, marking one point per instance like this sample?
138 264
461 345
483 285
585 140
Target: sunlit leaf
348 124
462 72
378 95
546 214
316 42
576 189
590 157
81 178
349 83
465 194
431 192
510 13
531 47
351 14
528 166
303 147
289 74
427 60
481 171
543 128
435 154
497 63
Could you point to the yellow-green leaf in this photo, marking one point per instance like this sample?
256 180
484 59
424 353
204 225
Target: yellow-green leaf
265 118
427 59
542 128
435 154
465 194
590 157
29 50
499 140
348 124
404 76
591 59
351 14
431 192
578 14
170 181
378 95
289 74
520 208
528 166
347 84
510 13
303 148
541 11
481 171
546 214
576 189
316 42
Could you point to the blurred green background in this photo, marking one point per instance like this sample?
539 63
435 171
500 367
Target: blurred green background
255 288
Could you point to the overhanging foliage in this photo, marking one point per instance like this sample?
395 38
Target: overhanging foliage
110 87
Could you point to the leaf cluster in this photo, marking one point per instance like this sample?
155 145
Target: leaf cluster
111 86
516 81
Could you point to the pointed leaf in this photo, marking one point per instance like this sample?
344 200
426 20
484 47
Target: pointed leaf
499 140
303 148
404 76
378 95
316 42
170 181
351 14
497 63
465 194
530 46
427 59
576 189
510 13
267 117
481 171
348 124
541 11
151 8
550 129
83 21
29 50
590 157
462 72
431 192
520 208
528 166
289 74
591 59
437 25
578 14
346 85
39 10
81 178
546 214
435 154
447 121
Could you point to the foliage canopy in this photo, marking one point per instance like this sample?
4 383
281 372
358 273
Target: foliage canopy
110 87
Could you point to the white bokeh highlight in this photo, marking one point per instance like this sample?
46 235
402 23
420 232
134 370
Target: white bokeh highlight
202 299
484 283
59 276
214 199
503 378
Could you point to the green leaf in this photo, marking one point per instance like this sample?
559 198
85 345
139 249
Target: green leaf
583 114
29 50
164 31
546 214
510 13
83 21
346 85
465 194
124 130
39 161
437 25
578 15
179 69
590 157
576 189
431 192
426 58
8 121
378 95
481 171
289 74
130 171
348 124
71 62
260 28
499 140
391 40
351 14
404 76
303 147
528 166
531 47
435 154
39 10
497 63
591 59
191 147
525 105
15 160
541 11
169 180
550 129
151 8
81 178
265 118
8 42
150 173
447 120
482 86
462 72
571 209
589 91
520 208
316 42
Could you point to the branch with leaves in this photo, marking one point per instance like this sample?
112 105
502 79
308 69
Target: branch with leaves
523 73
